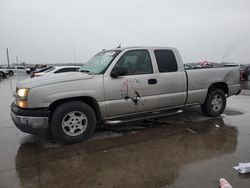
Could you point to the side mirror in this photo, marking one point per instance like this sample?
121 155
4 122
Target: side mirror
118 71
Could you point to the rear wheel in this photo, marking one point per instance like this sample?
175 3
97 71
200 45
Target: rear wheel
11 73
73 122
215 103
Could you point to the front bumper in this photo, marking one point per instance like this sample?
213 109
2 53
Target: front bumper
33 121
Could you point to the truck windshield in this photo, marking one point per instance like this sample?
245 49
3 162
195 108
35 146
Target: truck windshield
100 62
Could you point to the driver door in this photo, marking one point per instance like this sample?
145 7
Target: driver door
134 92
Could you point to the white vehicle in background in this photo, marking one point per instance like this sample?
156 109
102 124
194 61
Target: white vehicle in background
3 72
17 69
56 70
34 72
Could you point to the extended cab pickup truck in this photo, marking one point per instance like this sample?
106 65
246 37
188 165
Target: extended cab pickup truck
116 86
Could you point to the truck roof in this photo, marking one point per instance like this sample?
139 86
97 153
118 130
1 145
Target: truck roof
143 47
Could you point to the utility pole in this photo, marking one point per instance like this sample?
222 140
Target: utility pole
8 59
17 60
74 52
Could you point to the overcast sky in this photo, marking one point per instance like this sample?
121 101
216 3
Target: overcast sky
62 31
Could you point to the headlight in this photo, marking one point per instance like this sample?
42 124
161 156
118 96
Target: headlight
21 97
23 92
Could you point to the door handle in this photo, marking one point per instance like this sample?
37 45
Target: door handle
152 81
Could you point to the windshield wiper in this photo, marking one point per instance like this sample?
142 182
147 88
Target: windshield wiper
87 71
82 70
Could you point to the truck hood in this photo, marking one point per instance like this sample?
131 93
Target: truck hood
53 78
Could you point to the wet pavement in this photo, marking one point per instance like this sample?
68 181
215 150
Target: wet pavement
245 84
187 150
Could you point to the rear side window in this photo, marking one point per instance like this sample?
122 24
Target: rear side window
166 60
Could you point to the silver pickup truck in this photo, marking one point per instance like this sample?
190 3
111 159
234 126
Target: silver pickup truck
117 86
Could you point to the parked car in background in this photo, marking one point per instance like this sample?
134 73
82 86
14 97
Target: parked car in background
228 64
242 71
28 70
33 73
245 72
207 64
59 69
188 66
3 72
17 69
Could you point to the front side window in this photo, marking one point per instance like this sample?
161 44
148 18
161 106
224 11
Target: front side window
136 62
100 62
166 60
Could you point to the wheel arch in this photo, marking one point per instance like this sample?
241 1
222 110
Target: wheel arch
86 99
219 85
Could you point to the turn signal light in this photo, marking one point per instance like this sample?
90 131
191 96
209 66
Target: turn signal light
22 104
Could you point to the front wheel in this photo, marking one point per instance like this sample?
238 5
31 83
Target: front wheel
215 103
73 122
2 74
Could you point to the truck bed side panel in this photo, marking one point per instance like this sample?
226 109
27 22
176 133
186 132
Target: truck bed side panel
199 80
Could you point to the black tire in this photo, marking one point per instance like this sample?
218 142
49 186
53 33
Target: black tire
2 74
11 73
61 134
215 103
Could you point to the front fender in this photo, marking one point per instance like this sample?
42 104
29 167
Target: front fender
43 96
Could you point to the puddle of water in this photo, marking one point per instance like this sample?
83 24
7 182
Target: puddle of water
229 112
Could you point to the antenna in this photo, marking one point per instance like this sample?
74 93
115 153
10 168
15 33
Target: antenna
119 46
